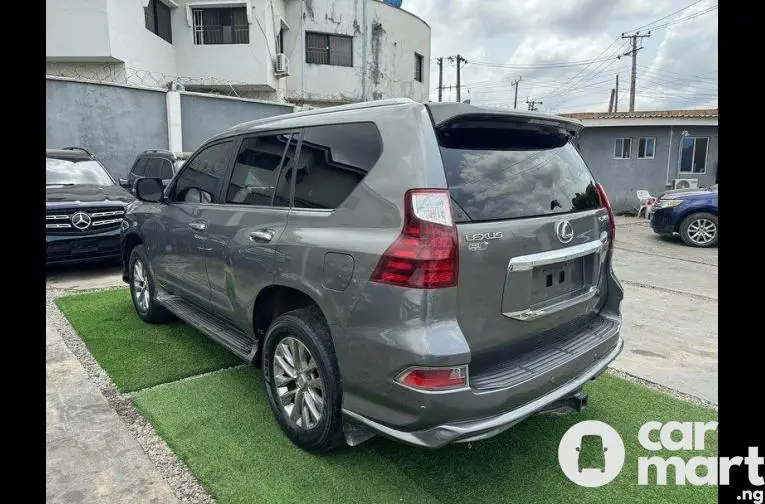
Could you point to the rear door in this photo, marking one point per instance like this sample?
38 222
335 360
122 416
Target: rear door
244 231
531 229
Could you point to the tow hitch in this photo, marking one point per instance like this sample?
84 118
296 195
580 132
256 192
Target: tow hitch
576 402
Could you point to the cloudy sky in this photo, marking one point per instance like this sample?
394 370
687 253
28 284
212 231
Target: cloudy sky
565 51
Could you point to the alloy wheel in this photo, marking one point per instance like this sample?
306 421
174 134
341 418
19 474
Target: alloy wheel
140 286
702 231
299 385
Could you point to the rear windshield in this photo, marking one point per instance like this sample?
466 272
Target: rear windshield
506 173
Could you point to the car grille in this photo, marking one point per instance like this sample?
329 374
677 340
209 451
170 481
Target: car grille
83 220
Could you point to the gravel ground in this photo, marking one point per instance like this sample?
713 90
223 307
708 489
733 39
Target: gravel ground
182 482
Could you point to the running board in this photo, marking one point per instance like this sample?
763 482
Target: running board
223 333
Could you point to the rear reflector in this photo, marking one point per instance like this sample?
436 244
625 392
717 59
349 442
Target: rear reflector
424 255
603 197
435 378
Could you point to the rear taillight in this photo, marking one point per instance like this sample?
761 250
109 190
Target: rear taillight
603 197
435 378
424 255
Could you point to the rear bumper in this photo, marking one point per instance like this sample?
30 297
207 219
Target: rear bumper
483 428
64 249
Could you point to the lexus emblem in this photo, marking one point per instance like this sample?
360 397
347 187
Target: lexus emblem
81 220
564 231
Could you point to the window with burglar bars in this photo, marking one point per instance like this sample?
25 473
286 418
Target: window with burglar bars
227 25
418 67
157 19
324 49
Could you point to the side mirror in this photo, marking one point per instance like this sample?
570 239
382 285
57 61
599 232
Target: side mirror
149 190
124 183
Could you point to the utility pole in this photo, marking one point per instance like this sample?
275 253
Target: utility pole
440 77
515 85
459 60
611 102
616 95
633 52
533 104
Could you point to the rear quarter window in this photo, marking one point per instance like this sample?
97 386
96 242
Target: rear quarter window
333 160
499 173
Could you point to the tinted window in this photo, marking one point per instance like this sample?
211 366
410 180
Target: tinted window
64 172
333 160
140 167
201 177
166 170
153 166
499 173
256 169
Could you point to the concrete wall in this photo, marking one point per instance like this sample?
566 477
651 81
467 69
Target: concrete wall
114 123
114 32
86 18
204 116
238 63
117 122
132 43
622 177
393 36
392 73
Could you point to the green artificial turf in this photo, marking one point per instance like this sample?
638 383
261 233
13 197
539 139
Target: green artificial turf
222 427
136 354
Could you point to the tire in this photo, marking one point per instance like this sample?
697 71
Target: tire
306 327
143 290
700 230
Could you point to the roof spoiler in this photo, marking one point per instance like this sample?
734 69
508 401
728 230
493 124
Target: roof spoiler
446 114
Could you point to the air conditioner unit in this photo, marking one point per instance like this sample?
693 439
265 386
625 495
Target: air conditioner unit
282 64
685 183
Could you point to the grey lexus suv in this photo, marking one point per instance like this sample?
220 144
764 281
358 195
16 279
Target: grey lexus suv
433 273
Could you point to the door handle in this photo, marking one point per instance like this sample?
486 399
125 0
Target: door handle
198 225
263 235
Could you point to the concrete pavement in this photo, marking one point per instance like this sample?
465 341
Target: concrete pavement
91 456
670 310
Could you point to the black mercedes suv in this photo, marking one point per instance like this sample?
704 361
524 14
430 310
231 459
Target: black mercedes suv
84 206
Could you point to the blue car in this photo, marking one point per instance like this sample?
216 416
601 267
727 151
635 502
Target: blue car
691 213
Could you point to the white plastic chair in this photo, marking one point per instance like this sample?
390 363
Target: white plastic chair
646 203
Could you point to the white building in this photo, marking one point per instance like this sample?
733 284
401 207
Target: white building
316 52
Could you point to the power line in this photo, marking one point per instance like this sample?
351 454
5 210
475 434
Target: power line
540 66
570 85
683 19
668 15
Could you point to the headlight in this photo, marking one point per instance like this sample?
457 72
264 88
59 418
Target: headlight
670 203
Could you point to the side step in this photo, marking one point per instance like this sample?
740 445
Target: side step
216 329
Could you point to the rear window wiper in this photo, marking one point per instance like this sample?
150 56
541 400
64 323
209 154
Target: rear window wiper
46 185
